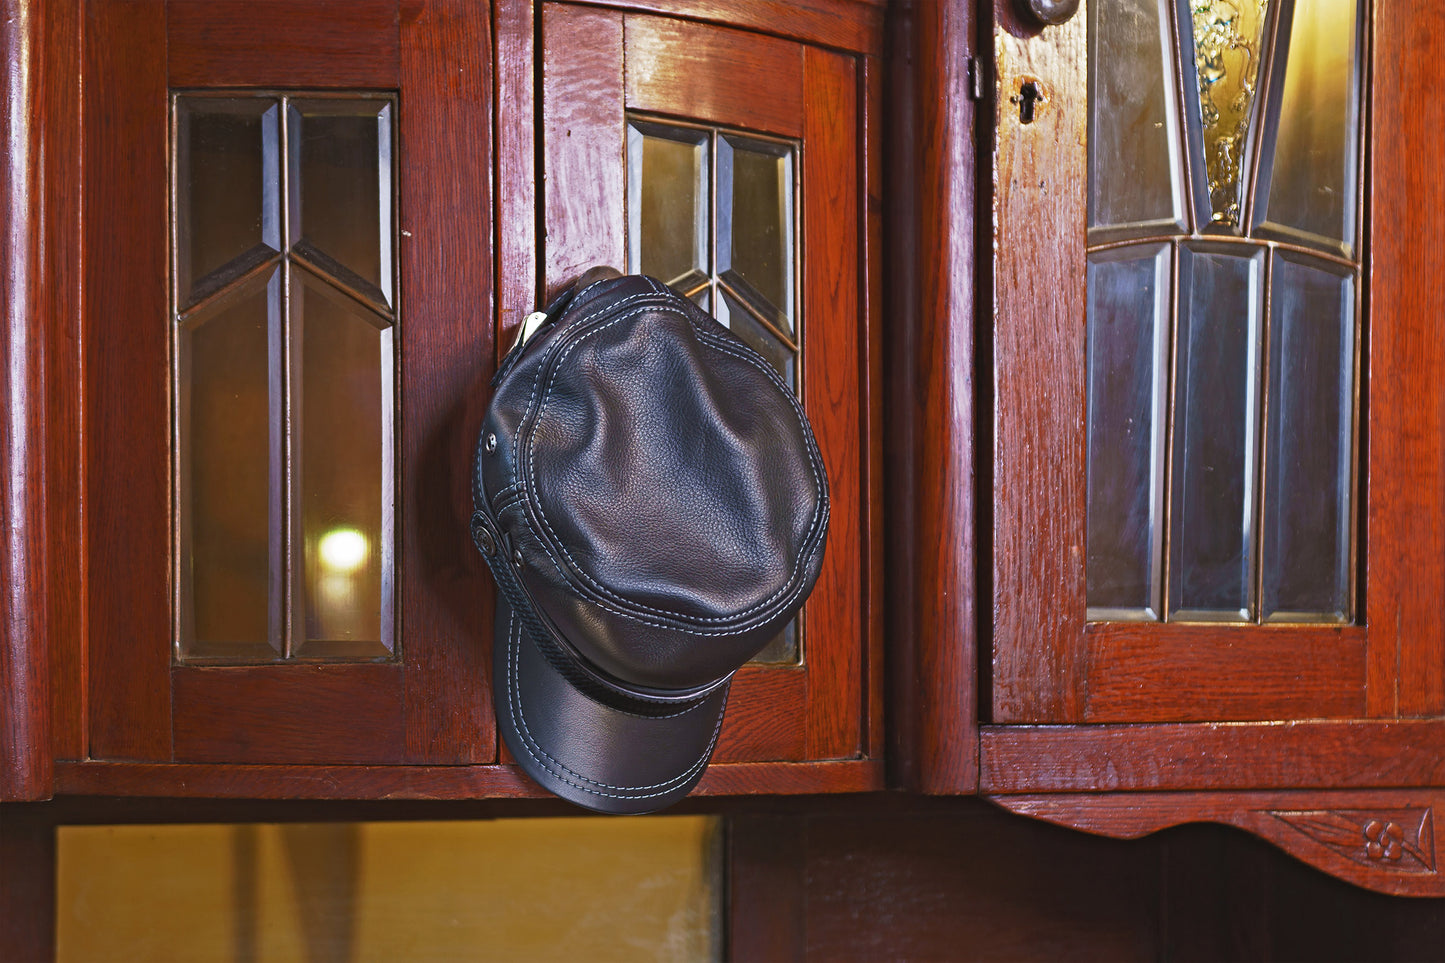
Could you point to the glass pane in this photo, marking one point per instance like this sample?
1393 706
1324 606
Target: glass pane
230 468
340 177
783 649
1308 187
343 487
227 190
667 195
1215 445
1128 393
1133 120
1226 39
1310 457
755 224
732 314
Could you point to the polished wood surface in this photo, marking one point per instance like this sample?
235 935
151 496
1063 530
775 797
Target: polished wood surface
306 43
852 25
27 882
931 501
518 282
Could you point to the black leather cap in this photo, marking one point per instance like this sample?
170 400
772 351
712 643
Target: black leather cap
653 505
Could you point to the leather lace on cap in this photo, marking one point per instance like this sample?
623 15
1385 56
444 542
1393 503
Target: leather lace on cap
654 508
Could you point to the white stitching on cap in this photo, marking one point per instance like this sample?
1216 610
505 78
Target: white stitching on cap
514 709
787 588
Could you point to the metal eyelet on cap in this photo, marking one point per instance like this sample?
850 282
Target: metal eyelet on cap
491 442
517 557
484 540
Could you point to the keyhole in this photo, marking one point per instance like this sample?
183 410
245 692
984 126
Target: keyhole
1029 94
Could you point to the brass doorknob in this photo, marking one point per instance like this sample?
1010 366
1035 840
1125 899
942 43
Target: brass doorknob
1048 12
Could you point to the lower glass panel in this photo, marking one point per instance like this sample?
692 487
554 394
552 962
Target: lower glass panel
731 313
345 473
230 578
1215 445
1310 458
1128 325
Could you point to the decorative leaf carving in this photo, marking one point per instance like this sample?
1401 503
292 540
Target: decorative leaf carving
1397 840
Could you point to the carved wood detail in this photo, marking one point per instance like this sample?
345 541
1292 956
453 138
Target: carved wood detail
1397 840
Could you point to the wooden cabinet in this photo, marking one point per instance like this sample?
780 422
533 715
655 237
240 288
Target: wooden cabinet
504 173
1324 738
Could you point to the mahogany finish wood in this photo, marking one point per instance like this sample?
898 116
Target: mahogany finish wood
27 879
1385 840
306 43
1405 578
766 715
26 770
930 345
1366 754
126 413
518 282
231 781
674 66
874 588
446 350
290 714
767 880
853 25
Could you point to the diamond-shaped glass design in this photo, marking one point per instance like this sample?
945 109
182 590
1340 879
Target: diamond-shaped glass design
230 456
667 202
227 190
343 468
735 315
339 174
755 223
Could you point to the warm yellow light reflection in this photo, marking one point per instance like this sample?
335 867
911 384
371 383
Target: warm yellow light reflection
342 549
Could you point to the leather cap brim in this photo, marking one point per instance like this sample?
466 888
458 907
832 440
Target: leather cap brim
595 755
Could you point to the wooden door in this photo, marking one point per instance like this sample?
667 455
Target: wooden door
776 123
191 111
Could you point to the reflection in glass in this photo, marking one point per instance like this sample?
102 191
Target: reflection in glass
1128 365
1307 189
1227 37
344 471
755 223
230 460
667 187
1308 478
1215 445
340 178
1133 126
733 314
783 649
227 190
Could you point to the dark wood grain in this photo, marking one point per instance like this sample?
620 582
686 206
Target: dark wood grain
290 714
931 495
27 882
674 67
126 412
767 916
25 753
584 188
298 43
1358 754
1039 180
1406 460
871 119
1185 673
428 782
832 327
766 718
853 25
517 282
446 349
1332 830
59 124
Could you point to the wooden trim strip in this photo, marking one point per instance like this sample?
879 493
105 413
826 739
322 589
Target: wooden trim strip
852 25
427 782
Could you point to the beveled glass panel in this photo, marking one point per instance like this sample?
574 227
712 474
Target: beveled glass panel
1227 39
1216 400
734 315
1128 378
231 475
755 224
1135 179
228 185
667 202
341 183
1308 445
343 479
1308 183
783 649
